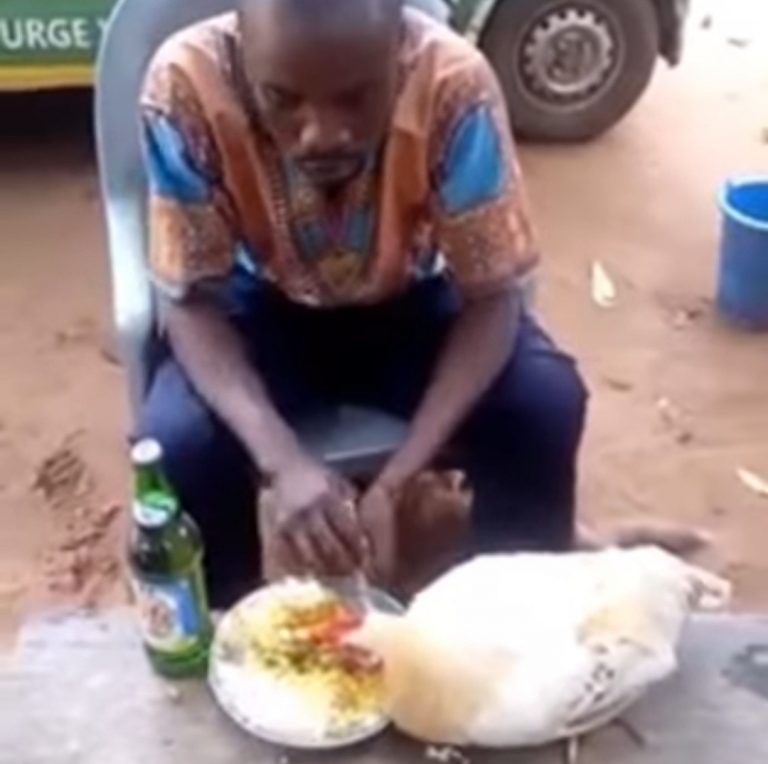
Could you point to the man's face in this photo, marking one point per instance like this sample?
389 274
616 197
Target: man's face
326 97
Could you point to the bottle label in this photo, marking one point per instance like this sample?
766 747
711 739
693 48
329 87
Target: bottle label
169 614
153 515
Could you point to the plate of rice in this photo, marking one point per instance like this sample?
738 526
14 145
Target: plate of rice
281 670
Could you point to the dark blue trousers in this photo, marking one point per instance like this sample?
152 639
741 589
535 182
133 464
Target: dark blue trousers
519 446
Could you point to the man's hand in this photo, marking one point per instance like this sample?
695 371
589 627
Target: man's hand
316 524
377 511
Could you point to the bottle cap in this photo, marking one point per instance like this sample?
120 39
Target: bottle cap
146 452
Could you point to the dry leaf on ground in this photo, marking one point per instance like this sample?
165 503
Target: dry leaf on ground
754 482
603 289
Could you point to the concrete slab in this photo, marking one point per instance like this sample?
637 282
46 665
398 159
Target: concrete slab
78 691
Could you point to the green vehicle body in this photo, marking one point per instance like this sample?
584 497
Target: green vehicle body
47 44
53 43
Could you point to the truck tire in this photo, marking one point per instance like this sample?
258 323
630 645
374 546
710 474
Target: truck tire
570 69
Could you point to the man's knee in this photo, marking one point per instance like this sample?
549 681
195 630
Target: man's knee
559 407
539 408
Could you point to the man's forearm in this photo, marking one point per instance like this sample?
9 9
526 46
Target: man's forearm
213 356
477 347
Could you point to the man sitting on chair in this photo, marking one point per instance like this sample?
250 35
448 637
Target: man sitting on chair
337 215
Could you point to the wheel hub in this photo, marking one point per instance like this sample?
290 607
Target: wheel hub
568 55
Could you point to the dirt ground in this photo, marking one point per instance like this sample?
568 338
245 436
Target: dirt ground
679 399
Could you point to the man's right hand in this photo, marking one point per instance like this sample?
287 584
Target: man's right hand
315 517
316 522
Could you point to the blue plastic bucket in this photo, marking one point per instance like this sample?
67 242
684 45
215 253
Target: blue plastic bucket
742 290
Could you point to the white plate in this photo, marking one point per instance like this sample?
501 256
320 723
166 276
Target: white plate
244 694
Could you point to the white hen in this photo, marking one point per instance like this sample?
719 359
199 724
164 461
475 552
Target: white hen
523 649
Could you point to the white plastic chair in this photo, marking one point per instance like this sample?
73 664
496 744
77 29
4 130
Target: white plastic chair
354 440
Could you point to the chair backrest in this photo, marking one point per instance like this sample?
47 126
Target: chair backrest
135 30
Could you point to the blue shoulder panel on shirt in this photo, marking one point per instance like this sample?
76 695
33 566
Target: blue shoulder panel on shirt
171 174
474 168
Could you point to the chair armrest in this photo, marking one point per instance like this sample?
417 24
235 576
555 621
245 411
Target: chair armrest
132 295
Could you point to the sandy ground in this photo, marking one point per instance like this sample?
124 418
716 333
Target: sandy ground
679 399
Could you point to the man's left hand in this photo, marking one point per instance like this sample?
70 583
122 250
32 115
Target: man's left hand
378 515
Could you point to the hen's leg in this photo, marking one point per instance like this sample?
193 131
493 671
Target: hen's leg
571 749
631 732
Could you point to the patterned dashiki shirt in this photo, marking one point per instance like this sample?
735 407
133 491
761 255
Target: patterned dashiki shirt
446 179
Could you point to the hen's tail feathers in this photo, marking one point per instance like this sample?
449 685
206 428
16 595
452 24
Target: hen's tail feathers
708 591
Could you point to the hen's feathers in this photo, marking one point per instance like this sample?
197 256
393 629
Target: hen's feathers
522 649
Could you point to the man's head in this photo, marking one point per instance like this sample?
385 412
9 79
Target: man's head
324 78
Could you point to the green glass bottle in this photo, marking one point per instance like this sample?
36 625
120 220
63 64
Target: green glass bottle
166 560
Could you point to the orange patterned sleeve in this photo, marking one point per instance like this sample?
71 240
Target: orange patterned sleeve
479 207
192 228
